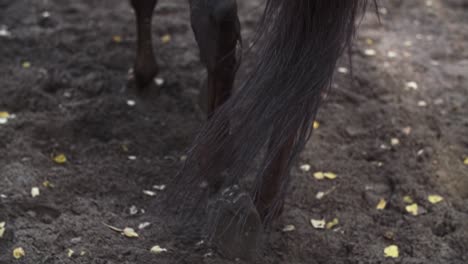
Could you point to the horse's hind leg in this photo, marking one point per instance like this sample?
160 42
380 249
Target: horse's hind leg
235 226
217 31
145 67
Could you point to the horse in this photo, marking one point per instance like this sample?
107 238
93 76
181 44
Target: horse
267 121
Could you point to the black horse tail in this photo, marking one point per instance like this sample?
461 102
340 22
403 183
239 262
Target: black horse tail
298 47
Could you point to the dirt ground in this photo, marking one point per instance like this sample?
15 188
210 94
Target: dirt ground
63 77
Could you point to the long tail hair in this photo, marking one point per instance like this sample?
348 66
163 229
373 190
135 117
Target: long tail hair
299 44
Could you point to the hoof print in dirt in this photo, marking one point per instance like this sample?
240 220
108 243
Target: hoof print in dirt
234 226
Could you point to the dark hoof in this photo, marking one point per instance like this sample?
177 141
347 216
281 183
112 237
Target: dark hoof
235 227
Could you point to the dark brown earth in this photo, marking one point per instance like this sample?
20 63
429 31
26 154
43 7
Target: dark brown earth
72 100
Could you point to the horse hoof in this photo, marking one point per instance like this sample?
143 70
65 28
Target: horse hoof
235 226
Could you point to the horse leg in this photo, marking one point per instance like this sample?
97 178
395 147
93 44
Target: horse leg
234 224
217 31
145 67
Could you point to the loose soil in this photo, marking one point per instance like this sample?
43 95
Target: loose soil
73 100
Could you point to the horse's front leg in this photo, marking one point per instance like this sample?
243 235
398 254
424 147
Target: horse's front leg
145 67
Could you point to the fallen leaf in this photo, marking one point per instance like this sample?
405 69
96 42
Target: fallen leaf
4 114
289 228
465 161
129 232
35 192
412 209
406 130
320 195
392 54
166 38
26 65
318 224
407 199
319 175
117 38
316 125
144 225
161 187
70 252
343 70
433 199
391 252
132 157
157 250
382 204
370 52
159 81
60 159
131 102
395 142
149 193
48 184
412 85
2 229
305 167
332 223
330 175
18 253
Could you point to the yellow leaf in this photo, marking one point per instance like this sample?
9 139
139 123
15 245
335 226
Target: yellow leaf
318 224
26 65
166 38
4 115
316 125
382 204
319 175
129 232
2 229
412 209
330 175
157 250
465 161
332 223
435 198
70 252
117 38
18 253
407 199
391 252
48 184
60 159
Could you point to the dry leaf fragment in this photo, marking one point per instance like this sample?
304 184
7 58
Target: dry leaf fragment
149 193
117 38
343 70
131 102
26 65
35 192
382 204
157 250
330 175
412 209
60 159
4 115
48 184
316 125
395 142
332 223
159 81
407 199
391 252
2 229
412 85
166 38
129 232
406 130
319 175
370 52
70 252
18 253
318 224
305 167
320 195
433 199
161 187
289 228
144 225
465 161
